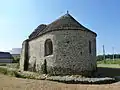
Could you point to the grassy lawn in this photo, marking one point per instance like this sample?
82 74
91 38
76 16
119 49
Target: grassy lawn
109 65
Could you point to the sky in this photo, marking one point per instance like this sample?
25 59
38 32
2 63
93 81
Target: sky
18 18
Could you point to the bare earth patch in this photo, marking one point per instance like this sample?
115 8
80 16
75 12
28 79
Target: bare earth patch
12 83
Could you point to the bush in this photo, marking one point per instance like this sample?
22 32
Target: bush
16 60
13 65
99 58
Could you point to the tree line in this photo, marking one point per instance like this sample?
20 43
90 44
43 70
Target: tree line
108 56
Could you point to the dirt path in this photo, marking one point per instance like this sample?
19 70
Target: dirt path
12 83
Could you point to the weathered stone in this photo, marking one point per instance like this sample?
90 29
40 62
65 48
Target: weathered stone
24 56
71 51
82 80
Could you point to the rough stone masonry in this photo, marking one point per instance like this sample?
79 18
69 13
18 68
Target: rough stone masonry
63 47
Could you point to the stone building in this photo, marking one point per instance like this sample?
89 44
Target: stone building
59 48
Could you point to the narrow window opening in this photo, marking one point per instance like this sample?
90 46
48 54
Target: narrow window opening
90 49
81 52
48 47
67 42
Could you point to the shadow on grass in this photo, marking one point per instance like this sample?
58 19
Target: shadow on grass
108 72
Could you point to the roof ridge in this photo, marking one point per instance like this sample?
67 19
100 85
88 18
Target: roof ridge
65 22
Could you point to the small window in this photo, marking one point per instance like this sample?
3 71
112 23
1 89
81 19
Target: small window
90 49
48 47
81 52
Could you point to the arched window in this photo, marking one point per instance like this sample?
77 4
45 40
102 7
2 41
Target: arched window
48 47
90 49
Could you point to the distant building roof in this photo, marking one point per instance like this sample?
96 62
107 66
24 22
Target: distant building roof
15 51
15 55
5 55
63 23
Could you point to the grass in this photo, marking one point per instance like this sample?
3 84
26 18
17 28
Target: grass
5 71
16 73
31 75
13 70
10 65
109 61
109 65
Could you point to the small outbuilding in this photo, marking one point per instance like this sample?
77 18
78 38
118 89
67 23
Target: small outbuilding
60 48
6 57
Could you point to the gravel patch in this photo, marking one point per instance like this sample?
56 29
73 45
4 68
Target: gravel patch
82 80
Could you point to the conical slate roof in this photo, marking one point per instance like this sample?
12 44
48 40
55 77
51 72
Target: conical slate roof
66 22
36 32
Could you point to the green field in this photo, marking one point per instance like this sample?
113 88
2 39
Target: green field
109 63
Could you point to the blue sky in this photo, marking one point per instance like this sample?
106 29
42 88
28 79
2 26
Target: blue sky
18 18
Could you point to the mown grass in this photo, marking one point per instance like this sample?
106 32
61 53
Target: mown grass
109 63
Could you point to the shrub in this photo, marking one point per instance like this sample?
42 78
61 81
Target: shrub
16 60
13 65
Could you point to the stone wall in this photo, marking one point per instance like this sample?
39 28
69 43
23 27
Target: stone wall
70 52
24 56
36 53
